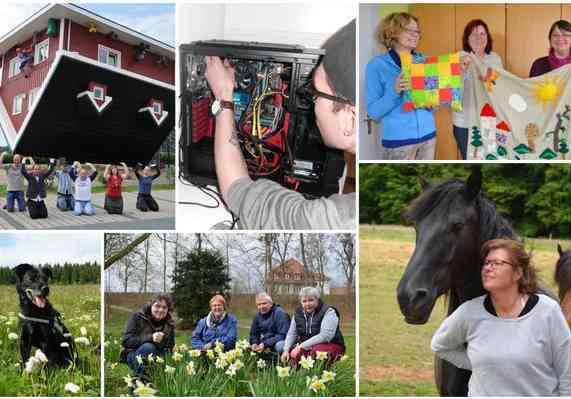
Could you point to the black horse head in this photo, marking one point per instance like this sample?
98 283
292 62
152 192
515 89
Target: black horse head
563 271
452 220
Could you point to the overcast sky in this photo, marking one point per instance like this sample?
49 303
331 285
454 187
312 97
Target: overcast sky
49 247
155 20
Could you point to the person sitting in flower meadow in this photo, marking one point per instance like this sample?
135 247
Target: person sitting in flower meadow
314 328
149 332
269 327
217 326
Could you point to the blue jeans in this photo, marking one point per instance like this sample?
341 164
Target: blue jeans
143 351
65 202
15 196
279 347
83 208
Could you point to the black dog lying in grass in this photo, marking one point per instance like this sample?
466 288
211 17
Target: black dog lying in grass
40 323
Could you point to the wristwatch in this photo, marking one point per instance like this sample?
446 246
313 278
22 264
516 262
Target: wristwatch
218 105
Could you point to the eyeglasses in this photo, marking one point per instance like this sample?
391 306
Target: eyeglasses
561 35
312 94
495 263
413 32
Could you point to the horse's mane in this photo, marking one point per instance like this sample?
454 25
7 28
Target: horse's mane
563 273
492 223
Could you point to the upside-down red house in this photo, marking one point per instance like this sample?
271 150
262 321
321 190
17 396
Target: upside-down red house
78 85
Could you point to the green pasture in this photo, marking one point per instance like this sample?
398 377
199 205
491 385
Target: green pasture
80 307
395 357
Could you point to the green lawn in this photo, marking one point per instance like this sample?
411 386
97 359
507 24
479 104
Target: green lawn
395 357
114 371
80 307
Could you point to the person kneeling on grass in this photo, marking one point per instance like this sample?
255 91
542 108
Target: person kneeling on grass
149 331
217 326
37 189
114 179
269 327
314 328
83 183
145 201
65 201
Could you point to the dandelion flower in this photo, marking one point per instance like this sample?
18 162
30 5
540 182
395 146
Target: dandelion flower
169 369
321 355
177 357
71 387
210 354
83 331
144 390
317 385
328 376
307 362
190 370
82 340
64 345
194 353
12 336
283 371
41 356
261 363
139 359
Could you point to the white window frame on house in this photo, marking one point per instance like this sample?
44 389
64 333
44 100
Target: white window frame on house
14 67
101 90
108 51
32 96
37 51
18 99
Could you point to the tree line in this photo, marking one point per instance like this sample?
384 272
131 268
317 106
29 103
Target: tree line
67 273
535 197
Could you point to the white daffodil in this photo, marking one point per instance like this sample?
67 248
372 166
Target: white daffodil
41 356
82 340
144 390
261 363
231 370
283 371
12 336
210 354
150 358
243 344
317 385
221 362
238 364
307 362
112 366
321 355
176 356
159 360
344 358
139 359
194 353
190 370
83 331
183 348
219 347
32 365
328 376
169 369
71 387
129 381
64 345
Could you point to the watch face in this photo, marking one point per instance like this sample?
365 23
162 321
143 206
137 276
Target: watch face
216 107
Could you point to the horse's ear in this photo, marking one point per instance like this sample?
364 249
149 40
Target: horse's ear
474 183
424 184
559 249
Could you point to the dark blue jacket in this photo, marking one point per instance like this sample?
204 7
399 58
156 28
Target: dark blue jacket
269 328
225 332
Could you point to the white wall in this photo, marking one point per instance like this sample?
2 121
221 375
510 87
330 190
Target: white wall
302 23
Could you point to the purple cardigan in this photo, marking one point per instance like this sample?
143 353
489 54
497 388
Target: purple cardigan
539 67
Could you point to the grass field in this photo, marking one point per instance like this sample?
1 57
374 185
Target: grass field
80 307
115 372
395 357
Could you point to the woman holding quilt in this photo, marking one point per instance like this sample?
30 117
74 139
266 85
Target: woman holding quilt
559 50
405 134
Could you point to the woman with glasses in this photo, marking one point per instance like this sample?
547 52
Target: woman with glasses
559 54
476 40
514 340
150 331
405 135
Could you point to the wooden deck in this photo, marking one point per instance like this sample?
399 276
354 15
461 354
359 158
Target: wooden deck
130 219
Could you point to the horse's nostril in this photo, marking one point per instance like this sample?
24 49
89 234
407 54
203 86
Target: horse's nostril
419 295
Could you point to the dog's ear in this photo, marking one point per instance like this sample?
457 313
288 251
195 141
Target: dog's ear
22 269
48 272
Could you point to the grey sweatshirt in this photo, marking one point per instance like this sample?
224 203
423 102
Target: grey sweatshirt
15 178
527 356
264 204
326 333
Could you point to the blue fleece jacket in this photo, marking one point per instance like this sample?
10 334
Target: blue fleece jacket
225 332
269 328
399 128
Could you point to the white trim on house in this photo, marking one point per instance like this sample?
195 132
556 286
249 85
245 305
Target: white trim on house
2 70
61 33
32 96
7 126
37 51
14 67
108 53
68 48
76 56
18 99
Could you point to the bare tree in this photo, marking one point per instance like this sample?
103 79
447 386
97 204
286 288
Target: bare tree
343 246
115 248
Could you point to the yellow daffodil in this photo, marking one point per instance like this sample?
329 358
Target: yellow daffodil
283 371
190 370
321 355
144 390
328 376
194 353
317 385
307 362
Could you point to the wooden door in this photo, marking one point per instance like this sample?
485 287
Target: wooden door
527 28
436 22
